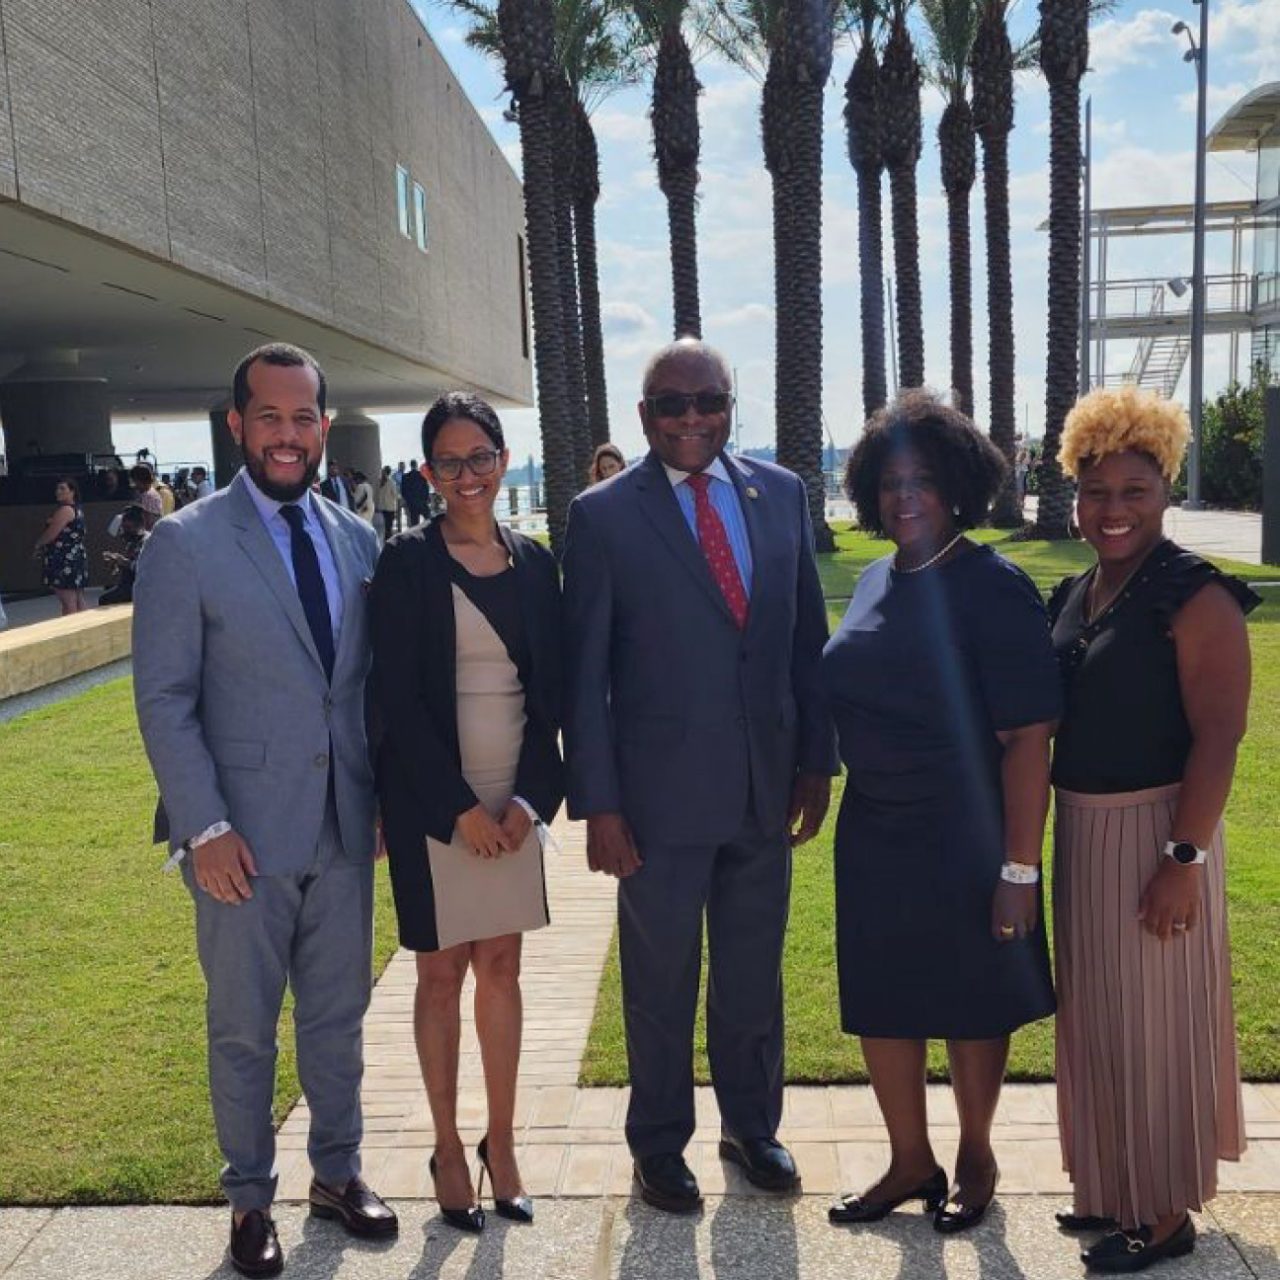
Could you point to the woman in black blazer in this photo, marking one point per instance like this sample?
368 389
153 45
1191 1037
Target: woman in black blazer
466 680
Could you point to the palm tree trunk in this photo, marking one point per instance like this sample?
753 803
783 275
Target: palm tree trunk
584 235
559 466
875 387
570 315
906 265
676 145
1006 512
777 133
682 196
956 139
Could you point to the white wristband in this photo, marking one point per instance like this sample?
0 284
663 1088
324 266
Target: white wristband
1020 873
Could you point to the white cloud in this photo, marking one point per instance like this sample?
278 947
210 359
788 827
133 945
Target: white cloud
1115 44
623 319
750 313
621 126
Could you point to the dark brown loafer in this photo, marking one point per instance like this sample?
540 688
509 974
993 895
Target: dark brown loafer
254 1250
357 1208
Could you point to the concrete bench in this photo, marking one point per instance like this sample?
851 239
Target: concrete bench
43 653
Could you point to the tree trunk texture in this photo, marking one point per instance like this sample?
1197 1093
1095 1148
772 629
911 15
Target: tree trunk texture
676 146
1006 512
584 234
777 134
861 116
1064 53
957 143
570 314
906 265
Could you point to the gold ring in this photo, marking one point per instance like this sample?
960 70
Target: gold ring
1007 931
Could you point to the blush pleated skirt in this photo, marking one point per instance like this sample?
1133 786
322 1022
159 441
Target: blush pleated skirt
1149 1095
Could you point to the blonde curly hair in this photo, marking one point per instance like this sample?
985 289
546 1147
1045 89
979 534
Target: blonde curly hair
1112 419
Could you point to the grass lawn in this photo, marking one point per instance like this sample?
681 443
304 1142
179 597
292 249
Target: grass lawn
102 1044
816 1049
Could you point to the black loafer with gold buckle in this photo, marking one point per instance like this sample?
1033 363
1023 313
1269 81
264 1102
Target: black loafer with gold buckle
1123 1252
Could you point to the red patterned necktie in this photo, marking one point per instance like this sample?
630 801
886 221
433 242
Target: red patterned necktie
715 547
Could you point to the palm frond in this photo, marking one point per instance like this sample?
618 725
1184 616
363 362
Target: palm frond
951 26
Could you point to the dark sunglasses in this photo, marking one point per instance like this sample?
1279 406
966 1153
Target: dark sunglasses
480 463
675 404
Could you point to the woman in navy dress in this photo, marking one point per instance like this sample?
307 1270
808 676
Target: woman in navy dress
944 690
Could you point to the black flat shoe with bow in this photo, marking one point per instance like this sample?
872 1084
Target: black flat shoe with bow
953 1216
518 1208
1123 1252
856 1208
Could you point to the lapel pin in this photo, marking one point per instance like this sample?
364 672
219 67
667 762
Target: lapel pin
752 491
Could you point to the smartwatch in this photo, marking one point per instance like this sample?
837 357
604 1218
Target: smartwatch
1185 853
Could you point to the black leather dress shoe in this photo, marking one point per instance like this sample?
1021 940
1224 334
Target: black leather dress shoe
667 1183
855 1208
1085 1222
952 1216
765 1161
1126 1251
357 1208
254 1249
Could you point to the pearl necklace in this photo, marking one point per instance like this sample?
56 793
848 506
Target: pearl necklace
933 559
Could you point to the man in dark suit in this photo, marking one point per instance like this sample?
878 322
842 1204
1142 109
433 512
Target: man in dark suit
250 653
415 492
699 752
337 488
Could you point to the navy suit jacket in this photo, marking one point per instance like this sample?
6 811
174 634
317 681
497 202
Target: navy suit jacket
674 717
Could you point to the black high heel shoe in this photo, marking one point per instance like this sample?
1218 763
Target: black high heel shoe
470 1219
519 1208
852 1208
948 1219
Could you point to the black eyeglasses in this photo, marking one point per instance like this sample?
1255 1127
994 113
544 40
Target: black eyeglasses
675 404
479 463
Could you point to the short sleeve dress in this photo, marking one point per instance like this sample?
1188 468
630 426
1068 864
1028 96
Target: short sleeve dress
922 673
66 560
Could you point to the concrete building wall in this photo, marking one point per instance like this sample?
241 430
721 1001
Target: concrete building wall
255 142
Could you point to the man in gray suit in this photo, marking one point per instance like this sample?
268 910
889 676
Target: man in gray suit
250 651
699 752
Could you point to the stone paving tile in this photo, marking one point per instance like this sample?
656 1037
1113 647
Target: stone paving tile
18 1227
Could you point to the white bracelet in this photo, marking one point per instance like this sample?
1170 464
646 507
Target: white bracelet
1020 873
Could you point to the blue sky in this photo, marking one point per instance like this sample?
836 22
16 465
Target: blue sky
1144 120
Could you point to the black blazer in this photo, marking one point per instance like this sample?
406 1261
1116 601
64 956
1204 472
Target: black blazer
414 680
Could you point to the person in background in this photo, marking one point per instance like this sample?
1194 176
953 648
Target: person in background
61 546
605 462
387 502
145 495
416 494
168 499
944 689
466 682
1154 653
133 535
336 486
362 499
203 484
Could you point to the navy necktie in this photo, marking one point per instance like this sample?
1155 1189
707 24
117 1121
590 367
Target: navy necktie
310 581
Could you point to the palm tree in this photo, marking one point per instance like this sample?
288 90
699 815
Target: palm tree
991 64
862 126
952 25
1064 54
527 40
792 40
586 192
676 144
901 135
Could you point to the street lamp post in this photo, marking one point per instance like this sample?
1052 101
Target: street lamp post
1199 55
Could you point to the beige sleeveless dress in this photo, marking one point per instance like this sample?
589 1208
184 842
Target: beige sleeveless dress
479 897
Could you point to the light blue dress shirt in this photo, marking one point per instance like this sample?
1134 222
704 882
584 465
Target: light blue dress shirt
278 527
724 500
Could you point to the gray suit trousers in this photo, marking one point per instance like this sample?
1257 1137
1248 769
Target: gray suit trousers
314 931
743 888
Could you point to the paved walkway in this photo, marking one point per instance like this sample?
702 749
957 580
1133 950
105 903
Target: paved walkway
573 1157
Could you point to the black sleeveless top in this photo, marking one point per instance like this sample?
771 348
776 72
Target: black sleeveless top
1124 727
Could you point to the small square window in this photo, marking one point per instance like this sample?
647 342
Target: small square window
402 200
420 216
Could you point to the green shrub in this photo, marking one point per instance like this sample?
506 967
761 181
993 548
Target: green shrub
1231 448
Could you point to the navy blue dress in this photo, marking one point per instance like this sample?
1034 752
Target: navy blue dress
921 674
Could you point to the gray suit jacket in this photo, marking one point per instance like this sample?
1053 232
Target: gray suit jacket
674 717
236 713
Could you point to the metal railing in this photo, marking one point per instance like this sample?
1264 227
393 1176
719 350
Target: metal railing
1127 300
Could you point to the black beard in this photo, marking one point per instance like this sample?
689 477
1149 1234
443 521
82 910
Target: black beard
279 492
